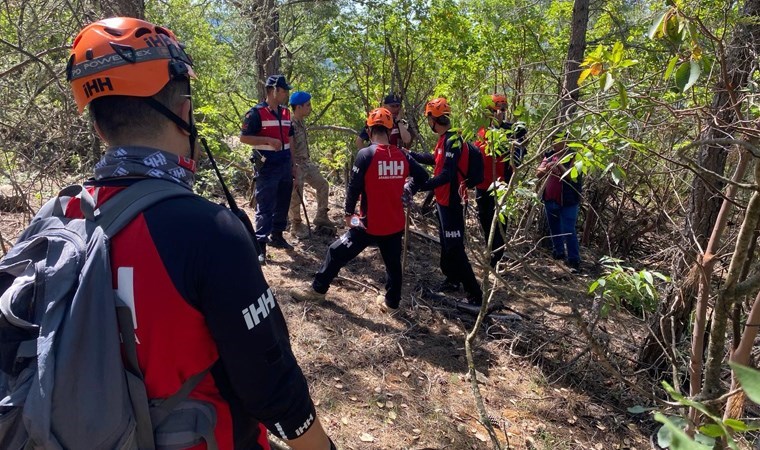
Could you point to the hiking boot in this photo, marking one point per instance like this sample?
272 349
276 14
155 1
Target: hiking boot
448 286
323 221
475 299
383 307
277 241
299 230
307 294
558 256
575 266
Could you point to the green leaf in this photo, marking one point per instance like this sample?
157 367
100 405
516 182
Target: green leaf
749 379
672 437
638 409
694 70
593 287
617 53
623 95
712 430
608 81
682 76
584 74
671 67
737 425
653 30
648 276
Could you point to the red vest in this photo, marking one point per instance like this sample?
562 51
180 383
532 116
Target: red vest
273 127
384 186
491 171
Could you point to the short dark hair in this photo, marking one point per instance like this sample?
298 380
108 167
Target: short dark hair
377 129
118 116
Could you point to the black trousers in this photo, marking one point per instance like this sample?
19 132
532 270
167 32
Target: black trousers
454 262
348 247
486 209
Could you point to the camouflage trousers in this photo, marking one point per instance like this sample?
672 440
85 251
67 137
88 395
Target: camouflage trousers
308 173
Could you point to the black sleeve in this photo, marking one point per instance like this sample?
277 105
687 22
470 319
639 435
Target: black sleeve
356 184
251 123
418 173
364 135
220 276
423 158
452 149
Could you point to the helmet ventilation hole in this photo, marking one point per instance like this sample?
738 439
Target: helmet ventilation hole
141 32
113 31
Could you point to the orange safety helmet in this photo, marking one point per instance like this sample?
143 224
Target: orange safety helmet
380 116
499 101
437 107
124 56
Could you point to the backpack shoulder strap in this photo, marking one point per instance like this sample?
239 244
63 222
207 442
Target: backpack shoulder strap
116 213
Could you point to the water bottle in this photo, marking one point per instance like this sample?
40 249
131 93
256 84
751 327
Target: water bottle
355 221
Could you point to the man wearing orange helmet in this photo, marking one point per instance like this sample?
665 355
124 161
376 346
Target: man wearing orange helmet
186 266
266 127
499 170
378 177
450 159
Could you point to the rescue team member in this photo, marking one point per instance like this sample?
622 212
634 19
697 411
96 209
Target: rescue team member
267 128
305 170
190 264
450 195
378 177
500 170
400 135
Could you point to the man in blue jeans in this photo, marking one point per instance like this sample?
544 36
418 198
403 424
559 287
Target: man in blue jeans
561 199
266 127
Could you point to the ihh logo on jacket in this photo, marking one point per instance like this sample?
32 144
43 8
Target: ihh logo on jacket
453 234
390 169
259 310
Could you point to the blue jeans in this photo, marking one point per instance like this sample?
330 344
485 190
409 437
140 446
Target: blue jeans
274 185
562 225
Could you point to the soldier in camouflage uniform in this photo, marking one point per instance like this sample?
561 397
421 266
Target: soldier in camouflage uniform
306 171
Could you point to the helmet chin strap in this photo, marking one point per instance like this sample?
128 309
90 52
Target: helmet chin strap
190 127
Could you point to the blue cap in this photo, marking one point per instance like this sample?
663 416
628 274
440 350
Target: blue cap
392 99
278 81
299 98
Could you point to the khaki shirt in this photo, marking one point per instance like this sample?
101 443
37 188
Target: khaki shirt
299 144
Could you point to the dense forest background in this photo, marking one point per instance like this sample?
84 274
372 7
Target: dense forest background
660 99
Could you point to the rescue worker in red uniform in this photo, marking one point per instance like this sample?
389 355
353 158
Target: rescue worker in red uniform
186 266
267 128
400 135
379 178
497 168
450 159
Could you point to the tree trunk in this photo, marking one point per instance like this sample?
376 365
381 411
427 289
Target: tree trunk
704 203
122 8
575 55
264 36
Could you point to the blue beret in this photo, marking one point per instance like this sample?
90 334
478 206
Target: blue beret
299 98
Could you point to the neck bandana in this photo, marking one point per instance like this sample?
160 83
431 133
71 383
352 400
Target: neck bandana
119 162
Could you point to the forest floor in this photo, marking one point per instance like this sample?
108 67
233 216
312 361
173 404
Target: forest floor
401 382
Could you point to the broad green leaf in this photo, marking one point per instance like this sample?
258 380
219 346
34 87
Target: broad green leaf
584 74
671 436
593 287
654 30
618 174
736 425
683 75
671 66
617 53
694 71
749 379
623 95
712 430
648 276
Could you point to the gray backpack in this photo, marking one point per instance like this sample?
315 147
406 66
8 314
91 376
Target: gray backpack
63 381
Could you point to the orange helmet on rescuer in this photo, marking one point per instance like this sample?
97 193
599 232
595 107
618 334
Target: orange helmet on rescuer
499 101
124 56
437 107
380 116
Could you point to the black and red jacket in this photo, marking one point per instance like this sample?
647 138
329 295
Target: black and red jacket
200 299
393 139
450 163
378 177
501 169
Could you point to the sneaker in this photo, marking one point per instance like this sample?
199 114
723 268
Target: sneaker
277 241
307 294
383 307
448 286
